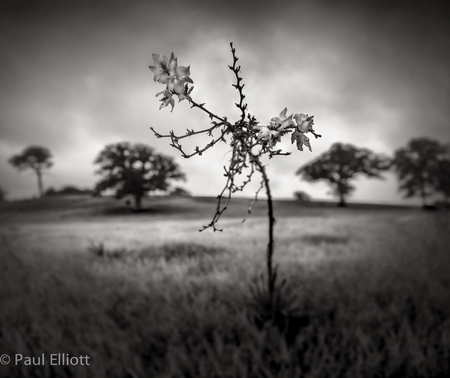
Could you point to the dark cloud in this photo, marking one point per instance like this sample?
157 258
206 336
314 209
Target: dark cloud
74 74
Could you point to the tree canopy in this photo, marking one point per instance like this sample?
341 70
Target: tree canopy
134 169
422 168
340 164
36 158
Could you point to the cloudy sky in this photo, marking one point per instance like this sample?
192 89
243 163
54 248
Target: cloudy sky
74 77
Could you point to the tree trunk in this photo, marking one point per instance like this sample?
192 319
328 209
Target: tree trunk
424 195
342 202
39 177
340 189
137 202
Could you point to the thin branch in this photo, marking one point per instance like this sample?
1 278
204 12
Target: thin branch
211 115
190 132
238 85
249 210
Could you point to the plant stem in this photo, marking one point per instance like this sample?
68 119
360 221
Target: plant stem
270 245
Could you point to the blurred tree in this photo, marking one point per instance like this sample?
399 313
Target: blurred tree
302 196
340 164
421 167
180 192
134 169
36 158
67 190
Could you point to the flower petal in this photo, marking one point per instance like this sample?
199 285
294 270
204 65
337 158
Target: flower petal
283 114
172 64
176 85
158 59
304 122
184 71
301 140
166 99
275 122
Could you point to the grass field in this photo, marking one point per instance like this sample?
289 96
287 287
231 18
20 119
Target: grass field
147 295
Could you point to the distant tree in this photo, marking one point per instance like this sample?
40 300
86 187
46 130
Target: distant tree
68 190
134 169
302 196
418 167
340 164
50 191
180 192
36 158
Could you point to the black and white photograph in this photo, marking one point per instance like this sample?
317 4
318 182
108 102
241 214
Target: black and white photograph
224 189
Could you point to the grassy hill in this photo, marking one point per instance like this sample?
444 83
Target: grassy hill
147 295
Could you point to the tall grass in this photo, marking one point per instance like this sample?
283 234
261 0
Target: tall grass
161 300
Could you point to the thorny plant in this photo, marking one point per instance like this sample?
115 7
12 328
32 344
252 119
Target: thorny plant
249 141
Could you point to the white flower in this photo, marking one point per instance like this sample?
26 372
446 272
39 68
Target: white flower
268 133
304 122
166 71
163 67
301 139
166 99
282 122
